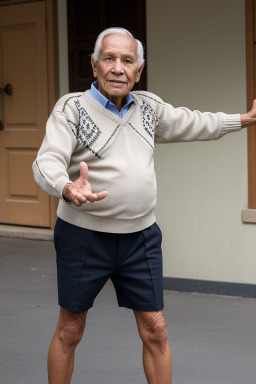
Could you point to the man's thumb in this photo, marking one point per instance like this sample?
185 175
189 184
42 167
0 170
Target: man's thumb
84 171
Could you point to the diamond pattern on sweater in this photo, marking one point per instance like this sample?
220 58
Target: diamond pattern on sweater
148 118
87 131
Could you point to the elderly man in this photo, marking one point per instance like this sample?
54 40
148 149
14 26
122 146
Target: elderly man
111 131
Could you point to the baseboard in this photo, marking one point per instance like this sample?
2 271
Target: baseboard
28 233
211 287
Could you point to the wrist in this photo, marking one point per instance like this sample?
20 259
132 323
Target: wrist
246 120
65 192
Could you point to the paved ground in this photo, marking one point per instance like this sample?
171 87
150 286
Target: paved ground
213 338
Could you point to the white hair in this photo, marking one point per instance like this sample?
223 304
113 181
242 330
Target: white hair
122 31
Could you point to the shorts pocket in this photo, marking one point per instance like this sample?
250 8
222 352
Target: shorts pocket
60 231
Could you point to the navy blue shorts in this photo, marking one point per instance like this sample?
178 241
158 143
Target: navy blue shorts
87 259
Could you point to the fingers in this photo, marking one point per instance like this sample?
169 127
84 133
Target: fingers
77 202
78 199
92 197
71 193
82 197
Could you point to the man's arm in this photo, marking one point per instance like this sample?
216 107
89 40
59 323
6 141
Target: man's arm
249 118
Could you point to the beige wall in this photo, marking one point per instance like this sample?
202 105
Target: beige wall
196 58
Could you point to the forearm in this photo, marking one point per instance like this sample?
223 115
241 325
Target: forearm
51 185
53 158
194 126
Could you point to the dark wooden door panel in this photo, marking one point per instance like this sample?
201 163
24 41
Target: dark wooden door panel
86 20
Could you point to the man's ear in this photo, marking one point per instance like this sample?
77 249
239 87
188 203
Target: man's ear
94 67
139 73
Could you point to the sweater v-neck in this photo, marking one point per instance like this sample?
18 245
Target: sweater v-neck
109 114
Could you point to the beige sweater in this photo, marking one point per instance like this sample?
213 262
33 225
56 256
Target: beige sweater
119 153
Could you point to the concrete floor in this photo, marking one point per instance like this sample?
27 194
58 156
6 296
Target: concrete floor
213 338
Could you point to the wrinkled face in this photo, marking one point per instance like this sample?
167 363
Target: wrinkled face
117 68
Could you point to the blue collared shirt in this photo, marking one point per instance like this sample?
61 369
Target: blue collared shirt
107 103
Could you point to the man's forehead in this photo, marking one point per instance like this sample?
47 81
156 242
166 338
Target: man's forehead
119 42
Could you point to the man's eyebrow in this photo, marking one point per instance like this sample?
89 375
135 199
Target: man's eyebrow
129 56
110 53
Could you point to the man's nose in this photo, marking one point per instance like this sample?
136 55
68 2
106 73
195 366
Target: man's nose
118 67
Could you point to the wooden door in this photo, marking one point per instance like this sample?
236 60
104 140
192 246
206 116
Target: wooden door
23 113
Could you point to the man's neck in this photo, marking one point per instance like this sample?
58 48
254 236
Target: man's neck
111 104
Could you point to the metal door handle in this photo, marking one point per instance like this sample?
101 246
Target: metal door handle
8 91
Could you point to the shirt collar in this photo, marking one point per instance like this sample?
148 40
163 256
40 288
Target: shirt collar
103 100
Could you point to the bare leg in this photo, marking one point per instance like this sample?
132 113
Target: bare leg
156 350
69 332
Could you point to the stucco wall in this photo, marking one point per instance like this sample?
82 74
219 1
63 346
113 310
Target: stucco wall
196 58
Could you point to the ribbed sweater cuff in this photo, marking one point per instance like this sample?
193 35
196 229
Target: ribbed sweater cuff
230 123
60 183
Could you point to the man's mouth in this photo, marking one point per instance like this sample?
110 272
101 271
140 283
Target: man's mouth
115 81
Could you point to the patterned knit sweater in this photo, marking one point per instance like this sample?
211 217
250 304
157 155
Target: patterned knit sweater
119 153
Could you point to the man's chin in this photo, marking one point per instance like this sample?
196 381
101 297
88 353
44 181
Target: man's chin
118 93
118 89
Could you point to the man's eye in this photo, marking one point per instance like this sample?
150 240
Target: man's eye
128 61
108 58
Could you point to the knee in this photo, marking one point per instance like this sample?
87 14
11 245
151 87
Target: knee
70 334
155 331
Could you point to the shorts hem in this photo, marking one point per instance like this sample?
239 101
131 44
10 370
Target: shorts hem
143 307
74 307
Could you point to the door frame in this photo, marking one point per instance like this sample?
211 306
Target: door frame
51 27
251 94
53 74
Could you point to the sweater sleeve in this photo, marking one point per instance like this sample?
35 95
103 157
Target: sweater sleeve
182 124
51 164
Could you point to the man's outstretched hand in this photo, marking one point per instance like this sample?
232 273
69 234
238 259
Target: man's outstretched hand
249 118
80 191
